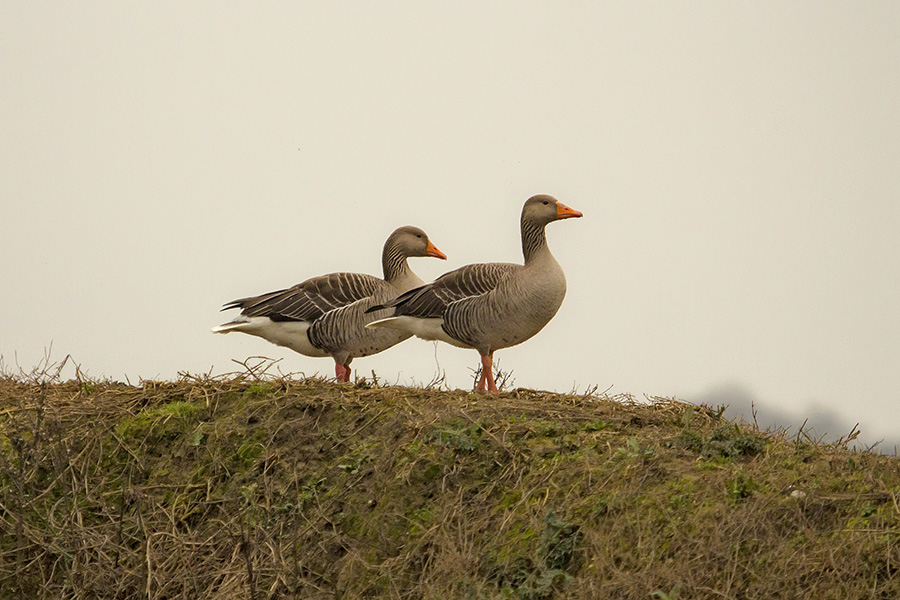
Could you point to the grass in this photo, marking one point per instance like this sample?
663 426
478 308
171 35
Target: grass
251 486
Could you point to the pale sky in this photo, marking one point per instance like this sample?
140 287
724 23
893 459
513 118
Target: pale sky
737 163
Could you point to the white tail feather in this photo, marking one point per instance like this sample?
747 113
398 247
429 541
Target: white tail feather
386 323
231 326
290 334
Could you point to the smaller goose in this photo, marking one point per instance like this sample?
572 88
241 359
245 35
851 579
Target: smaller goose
326 315
489 306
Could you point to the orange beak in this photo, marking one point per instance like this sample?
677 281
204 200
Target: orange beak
564 212
432 250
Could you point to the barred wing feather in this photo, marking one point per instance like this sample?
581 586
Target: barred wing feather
311 299
431 300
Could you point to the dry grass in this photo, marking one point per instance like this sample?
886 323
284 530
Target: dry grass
251 486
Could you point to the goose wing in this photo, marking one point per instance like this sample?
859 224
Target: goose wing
431 300
311 299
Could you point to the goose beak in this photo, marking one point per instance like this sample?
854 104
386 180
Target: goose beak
432 250
564 212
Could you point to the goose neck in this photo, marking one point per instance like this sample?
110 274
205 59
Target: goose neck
393 262
534 239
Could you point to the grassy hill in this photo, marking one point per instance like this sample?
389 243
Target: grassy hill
255 487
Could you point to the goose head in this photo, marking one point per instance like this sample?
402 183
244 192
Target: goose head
543 209
412 241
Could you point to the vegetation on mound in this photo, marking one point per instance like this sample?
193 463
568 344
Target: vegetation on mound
258 487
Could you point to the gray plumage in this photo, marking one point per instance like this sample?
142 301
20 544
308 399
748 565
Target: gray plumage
326 315
490 306
311 299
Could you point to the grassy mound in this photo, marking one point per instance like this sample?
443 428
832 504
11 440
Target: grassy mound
259 488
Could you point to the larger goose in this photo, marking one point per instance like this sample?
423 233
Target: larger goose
326 315
489 306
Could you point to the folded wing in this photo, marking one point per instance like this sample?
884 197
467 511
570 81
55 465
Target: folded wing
430 301
311 299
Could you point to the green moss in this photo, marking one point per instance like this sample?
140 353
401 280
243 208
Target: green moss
510 498
432 471
420 520
595 425
249 451
458 436
167 420
259 390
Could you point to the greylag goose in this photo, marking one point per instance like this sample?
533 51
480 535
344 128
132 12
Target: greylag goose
489 306
326 315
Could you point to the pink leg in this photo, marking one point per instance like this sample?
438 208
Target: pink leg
487 374
341 373
487 366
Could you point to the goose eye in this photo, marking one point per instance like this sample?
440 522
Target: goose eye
546 202
419 235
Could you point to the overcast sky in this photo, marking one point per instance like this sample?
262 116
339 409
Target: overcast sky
737 163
